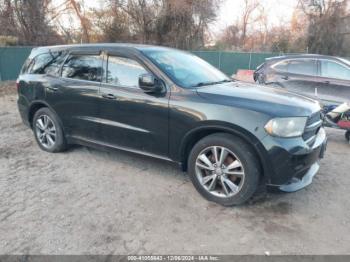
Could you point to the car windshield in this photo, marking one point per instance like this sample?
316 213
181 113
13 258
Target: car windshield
185 69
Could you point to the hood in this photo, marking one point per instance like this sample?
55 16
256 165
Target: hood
273 101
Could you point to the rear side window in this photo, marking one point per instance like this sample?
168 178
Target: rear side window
123 71
25 66
334 70
47 63
83 67
303 67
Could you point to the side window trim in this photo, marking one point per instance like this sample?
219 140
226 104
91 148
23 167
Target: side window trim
278 63
81 53
64 61
29 67
318 68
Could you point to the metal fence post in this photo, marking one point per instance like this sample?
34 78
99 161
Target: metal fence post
0 70
250 59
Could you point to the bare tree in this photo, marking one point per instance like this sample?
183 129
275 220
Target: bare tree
112 22
250 6
84 22
184 23
178 23
324 25
28 20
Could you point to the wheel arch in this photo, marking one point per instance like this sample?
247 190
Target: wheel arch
35 106
192 137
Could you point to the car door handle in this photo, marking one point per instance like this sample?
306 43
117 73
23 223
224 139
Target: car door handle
327 82
285 77
109 96
52 88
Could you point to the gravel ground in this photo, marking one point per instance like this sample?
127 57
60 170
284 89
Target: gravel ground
86 201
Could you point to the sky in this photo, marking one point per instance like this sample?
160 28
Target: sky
277 10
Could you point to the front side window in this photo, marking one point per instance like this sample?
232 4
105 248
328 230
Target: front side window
334 70
123 71
185 69
83 67
47 63
303 67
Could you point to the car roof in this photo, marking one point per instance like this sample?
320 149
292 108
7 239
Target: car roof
296 56
108 46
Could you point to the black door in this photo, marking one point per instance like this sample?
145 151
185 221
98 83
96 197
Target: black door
129 117
300 77
333 82
75 95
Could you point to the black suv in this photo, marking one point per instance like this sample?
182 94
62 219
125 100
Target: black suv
172 105
325 78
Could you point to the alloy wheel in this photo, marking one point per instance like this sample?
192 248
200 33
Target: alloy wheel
45 131
220 171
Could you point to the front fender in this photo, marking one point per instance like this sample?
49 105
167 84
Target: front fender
211 127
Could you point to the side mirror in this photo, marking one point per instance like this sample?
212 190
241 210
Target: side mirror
150 84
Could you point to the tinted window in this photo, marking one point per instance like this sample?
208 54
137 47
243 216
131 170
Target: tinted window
281 66
83 67
25 66
54 65
334 70
47 63
124 71
302 67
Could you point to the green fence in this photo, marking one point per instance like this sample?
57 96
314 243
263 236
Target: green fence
12 59
230 62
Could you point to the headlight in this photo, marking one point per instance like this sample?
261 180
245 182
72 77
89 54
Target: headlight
286 127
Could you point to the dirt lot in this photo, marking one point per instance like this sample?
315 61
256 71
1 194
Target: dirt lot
93 202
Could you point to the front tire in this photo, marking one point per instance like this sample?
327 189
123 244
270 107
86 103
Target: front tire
48 131
224 169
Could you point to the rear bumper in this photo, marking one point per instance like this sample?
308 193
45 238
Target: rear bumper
293 163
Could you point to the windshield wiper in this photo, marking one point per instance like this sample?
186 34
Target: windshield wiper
212 83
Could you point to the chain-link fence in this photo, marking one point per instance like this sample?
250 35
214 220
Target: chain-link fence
230 62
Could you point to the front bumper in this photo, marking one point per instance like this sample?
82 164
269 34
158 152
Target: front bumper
299 183
293 163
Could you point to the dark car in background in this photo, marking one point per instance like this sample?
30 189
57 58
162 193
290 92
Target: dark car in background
325 78
169 104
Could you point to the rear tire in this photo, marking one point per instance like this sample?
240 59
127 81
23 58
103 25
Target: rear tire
232 175
48 131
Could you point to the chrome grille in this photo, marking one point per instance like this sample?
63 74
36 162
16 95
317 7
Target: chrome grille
313 126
